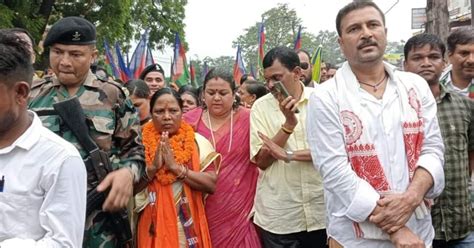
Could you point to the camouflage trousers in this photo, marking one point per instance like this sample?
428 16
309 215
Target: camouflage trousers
98 232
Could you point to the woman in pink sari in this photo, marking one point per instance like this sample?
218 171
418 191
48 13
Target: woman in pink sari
226 126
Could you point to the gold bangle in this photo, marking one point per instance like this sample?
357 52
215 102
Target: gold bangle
286 130
185 173
183 170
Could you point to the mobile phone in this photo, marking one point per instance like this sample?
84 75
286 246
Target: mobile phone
280 88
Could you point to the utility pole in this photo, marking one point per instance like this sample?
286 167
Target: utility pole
437 18
472 13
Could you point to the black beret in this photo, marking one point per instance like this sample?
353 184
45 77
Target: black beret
150 68
72 30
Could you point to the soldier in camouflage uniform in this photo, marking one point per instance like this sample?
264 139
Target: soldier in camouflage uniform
112 120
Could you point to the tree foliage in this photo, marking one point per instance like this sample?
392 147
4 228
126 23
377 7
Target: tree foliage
331 51
281 27
116 20
162 17
222 62
395 47
30 15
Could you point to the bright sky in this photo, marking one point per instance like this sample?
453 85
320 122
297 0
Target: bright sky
212 25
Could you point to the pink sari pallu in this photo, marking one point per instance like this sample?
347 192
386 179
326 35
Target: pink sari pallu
228 209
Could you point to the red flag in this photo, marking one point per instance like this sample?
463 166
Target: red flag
261 48
180 67
298 40
125 74
192 71
109 59
204 70
239 68
138 60
178 59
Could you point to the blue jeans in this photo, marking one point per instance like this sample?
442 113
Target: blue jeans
467 242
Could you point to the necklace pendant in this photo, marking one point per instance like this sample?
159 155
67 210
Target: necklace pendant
375 88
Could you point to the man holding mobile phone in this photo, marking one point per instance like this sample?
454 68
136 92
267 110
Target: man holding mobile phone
289 204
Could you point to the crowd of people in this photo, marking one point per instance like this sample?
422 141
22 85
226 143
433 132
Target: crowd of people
373 156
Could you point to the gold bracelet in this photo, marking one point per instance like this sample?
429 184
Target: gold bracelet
181 173
185 173
286 130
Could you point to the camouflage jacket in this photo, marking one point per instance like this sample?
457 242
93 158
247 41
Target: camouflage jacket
112 119
113 124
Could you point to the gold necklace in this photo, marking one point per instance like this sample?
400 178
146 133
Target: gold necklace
231 130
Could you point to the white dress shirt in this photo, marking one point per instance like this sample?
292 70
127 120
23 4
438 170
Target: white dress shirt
349 198
43 201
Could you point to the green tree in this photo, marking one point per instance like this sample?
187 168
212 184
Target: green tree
31 15
116 20
162 17
198 69
222 62
394 52
331 51
395 46
281 28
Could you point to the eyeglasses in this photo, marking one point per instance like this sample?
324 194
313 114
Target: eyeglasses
304 65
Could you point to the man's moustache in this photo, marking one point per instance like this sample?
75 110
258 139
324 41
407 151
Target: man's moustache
367 43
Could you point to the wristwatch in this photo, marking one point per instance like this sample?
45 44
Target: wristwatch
289 156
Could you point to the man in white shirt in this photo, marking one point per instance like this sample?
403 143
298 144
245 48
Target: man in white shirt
375 138
43 179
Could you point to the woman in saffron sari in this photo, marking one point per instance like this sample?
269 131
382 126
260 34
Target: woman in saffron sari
226 126
180 169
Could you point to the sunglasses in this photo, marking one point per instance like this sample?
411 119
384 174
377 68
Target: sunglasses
304 65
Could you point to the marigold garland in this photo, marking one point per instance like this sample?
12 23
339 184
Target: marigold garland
182 144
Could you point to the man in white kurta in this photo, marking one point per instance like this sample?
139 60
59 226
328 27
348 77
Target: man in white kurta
42 177
375 139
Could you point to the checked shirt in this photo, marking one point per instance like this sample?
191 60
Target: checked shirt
452 214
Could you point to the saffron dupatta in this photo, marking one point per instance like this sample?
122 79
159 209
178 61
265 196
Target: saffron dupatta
164 216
